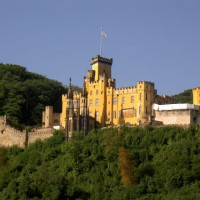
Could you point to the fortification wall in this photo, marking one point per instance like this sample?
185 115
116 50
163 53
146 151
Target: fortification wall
39 134
10 136
176 117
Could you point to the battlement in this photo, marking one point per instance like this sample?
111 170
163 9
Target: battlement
45 132
125 88
197 88
99 59
145 83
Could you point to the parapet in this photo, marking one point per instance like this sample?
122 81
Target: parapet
197 88
99 59
125 88
145 82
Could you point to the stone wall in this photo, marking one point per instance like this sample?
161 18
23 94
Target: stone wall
10 136
40 134
177 117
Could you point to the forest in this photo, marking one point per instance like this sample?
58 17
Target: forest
23 95
112 164
184 97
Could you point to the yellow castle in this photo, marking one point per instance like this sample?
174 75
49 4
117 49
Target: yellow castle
101 104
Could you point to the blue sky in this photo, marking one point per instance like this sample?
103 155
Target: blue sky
153 40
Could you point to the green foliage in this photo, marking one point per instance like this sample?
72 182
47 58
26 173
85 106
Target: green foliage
23 95
164 163
184 97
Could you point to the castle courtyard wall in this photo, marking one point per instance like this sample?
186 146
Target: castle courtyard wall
177 117
10 136
40 134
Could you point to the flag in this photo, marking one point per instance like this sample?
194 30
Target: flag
103 33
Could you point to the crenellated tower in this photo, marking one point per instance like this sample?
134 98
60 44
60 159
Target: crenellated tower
69 112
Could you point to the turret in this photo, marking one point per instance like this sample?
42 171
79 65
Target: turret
70 92
69 112
83 109
101 66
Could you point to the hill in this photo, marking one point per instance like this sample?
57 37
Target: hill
23 94
132 163
184 97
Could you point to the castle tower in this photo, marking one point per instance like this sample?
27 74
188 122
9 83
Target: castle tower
101 66
69 112
47 117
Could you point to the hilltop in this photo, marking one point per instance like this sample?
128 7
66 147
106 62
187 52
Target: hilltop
23 95
184 97
132 163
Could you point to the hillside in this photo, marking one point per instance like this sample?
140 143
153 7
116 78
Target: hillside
23 94
133 163
184 97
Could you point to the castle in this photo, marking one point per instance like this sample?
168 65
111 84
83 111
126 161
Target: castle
101 104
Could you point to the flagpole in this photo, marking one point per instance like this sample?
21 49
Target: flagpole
101 43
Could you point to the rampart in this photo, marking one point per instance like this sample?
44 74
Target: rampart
10 136
40 134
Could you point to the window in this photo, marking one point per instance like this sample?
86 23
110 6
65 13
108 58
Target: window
97 92
75 104
109 113
146 96
140 96
123 100
90 102
96 115
132 99
90 92
97 102
114 101
114 115
90 113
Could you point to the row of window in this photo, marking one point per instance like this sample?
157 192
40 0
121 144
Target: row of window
123 100
115 113
96 102
97 92
132 99
115 100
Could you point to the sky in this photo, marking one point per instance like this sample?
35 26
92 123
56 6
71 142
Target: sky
149 40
